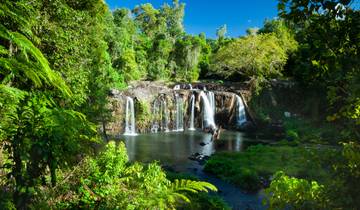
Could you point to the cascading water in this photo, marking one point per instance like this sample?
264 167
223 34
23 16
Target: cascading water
179 113
192 110
156 112
209 121
240 111
130 118
164 117
211 97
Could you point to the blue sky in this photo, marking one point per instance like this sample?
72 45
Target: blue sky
208 15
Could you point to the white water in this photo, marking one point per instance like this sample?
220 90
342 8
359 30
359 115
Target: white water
165 116
179 113
155 125
176 87
240 111
183 86
130 118
211 97
208 112
192 101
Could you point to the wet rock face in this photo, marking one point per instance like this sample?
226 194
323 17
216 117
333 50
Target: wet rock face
155 106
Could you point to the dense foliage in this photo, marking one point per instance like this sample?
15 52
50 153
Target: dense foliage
260 56
328 56
110 182
58 60
327 60
34 134
151 44
318 42
285 192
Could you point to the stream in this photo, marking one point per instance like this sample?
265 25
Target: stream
173 149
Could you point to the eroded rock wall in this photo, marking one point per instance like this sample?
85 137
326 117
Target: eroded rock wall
150 95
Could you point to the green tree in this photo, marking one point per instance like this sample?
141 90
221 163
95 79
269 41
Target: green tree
287 192
40 42
284 34
161 31
258 56
206 51
174 16
328 54
327 59
186 55
149 20
123 46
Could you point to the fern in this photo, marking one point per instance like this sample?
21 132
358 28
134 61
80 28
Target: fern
36 72
3 50
17 14
9 101
22 55
180 187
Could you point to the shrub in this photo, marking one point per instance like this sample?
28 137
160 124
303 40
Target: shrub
292 193
110 182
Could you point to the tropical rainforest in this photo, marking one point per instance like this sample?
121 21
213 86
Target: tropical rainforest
60 58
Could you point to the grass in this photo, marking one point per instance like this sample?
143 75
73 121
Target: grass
251 170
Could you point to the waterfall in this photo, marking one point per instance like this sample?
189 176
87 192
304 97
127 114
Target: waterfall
240 111
179 113
208 112
155 114
165 116
190 87
211 97
192 101
130 118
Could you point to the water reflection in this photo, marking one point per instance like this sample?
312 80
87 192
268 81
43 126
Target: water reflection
175 148
238 142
